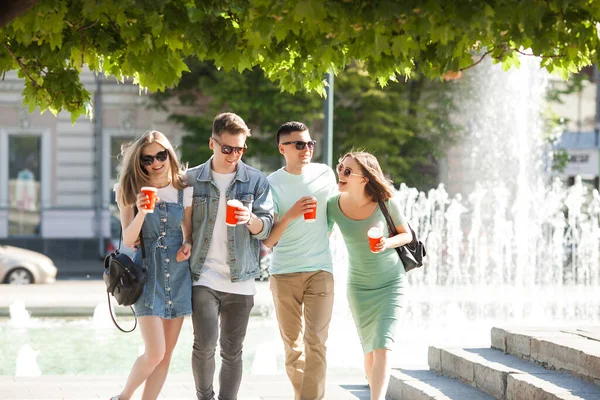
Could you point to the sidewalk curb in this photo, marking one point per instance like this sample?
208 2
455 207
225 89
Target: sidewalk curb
81 298
259 310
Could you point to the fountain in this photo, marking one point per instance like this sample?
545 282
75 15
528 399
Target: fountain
27 362
19 316
101 317
501 219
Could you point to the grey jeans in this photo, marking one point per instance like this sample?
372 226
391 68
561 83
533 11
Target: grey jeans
234 312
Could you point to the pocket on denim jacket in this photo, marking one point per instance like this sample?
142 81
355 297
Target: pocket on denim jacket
199 210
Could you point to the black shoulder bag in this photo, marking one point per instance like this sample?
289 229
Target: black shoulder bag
124 279
411 254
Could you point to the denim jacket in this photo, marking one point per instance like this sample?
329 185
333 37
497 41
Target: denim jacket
249 186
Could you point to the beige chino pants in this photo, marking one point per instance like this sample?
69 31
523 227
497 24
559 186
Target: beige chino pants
303 304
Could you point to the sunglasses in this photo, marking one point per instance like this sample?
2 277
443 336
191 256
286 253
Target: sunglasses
225 149
300 145
160 156
345 171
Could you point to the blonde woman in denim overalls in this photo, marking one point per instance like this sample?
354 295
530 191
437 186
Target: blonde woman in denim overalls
167 297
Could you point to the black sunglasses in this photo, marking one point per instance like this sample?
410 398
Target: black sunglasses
345 171
160 156
225 149
300 145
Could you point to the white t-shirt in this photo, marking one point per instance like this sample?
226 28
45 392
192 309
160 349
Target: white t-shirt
168 194
215 272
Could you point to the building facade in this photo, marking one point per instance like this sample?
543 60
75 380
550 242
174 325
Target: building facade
56 178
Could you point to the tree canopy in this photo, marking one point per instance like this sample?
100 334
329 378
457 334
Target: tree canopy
407 125
294 42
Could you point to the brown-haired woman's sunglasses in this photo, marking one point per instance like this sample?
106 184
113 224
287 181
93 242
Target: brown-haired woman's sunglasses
345 171
160 156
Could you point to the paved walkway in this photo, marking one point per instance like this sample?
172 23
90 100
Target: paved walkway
177 387
80 298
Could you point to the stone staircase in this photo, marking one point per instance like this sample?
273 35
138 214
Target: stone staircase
522 364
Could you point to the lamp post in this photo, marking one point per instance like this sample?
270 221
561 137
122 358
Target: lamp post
98 162
328 125
597 121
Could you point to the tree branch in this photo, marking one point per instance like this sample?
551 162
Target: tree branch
536 55
23 67
477 62
90 25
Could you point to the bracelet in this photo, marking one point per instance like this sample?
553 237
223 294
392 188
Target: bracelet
250 220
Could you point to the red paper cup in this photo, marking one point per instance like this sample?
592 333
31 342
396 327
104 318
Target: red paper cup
374 234
311 216
232 207
151 193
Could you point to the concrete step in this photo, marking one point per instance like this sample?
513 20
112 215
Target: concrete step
505 376
576 351
427 385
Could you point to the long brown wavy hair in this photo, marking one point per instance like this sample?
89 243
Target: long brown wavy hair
378 187
133 175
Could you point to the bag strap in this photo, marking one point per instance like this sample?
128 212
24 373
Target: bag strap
113 316
388 219
392 227
135 211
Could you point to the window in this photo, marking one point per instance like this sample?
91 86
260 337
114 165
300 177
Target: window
24 185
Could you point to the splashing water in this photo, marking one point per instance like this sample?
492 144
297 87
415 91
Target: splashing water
19 316
101 318
27 362
505 221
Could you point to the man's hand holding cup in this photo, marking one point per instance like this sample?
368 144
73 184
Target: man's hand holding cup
306 206
237 213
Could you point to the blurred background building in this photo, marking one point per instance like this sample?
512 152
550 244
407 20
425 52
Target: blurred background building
581 138
56 178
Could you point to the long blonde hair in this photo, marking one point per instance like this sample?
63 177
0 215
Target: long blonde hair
133 176
378 187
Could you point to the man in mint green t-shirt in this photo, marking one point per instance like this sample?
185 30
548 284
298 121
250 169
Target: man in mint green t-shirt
301 264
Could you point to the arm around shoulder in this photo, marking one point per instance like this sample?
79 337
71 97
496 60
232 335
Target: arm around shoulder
262 208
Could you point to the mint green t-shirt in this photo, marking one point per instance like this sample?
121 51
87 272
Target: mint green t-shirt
304 246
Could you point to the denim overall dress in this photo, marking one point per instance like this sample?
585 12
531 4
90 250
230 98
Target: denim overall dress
168 289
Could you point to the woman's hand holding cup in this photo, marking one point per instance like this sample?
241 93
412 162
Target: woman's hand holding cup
376 239
146 200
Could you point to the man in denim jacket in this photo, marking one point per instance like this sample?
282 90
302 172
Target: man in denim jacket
225 259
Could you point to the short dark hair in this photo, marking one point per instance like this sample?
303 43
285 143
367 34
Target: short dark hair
230 123
289 127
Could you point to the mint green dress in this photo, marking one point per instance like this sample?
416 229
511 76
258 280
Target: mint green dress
375 280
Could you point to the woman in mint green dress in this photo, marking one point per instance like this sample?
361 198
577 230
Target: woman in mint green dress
375 280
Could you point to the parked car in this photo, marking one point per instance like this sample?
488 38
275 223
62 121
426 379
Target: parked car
21 266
